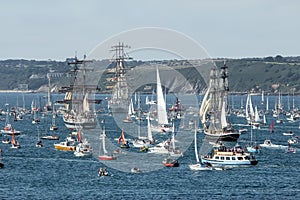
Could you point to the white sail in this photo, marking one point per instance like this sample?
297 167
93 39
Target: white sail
150 137
132 108
204 106
173 137
203 117
195 144
223 116
129 110
85 104
256 118
247 107
267 104
251 107
161 104
204 102
103 142
265 120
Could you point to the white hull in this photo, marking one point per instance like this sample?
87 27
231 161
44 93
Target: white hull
199 167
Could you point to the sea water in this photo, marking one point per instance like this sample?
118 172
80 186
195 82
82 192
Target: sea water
45 173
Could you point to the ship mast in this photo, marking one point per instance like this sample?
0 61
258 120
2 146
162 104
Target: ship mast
120 92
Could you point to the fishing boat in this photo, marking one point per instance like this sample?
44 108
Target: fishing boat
103 153
213 108
229 157
122 141
268 144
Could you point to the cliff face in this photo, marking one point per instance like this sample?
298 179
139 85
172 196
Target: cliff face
270 74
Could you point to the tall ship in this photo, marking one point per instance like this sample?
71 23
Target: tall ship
213 110
119 101
79 111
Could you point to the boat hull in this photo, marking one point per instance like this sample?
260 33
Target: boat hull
199 167
219 163
64 148
106 157
85 125
230 137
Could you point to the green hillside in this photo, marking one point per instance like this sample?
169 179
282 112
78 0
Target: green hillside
270 74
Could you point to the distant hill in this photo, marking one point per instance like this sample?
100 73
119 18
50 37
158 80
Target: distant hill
270 74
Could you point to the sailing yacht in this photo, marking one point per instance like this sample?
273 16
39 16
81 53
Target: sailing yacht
198 165
39 142
104 155
8 129
213 108
14 143
162 115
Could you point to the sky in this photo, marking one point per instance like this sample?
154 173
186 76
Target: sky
56 29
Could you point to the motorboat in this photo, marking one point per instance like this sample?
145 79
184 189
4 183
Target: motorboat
6 141
290 133
65 146
135 170
83 149
161 148
170 162
50 137
102 172
268 144
200 167
222 156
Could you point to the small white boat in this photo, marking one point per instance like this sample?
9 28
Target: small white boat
83 149
268 144
50 137
291 149
6 141
161 148
292 141
135 170
200 167
102 172
290 133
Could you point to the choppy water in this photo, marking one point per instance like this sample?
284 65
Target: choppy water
44 173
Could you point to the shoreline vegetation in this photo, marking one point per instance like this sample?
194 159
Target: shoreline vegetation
269 74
